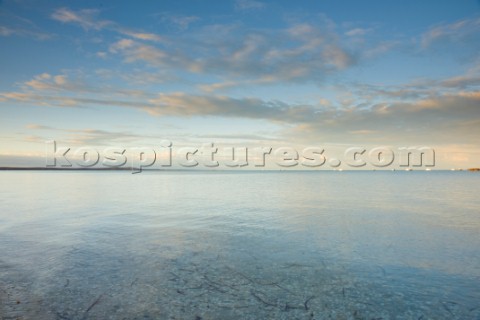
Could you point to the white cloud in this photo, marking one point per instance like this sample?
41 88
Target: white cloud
134 51
445 118
141 35
298 53
101 54
86 18
122 45
452 32
47 82
357 32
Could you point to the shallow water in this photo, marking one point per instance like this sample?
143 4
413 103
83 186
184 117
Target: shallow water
250 245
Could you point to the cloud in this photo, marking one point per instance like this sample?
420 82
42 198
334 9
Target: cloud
380 49
35 126
249 5
14 25
8 31
180 21
412 113
45 81
471 79
54 92
357 32
299 52
136 77
183 22
416 89
447 100
134 51
218 86
180 104
61 87
86 136
86 18
465 81
141 35
66 100
441 119
451 118
466 30
98 137
122 45
239 136
302 52
4 31
101 54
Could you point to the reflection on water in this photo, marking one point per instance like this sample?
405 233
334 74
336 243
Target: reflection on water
193 245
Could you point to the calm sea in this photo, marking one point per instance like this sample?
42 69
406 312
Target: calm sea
239 245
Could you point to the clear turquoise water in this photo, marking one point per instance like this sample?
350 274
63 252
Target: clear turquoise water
246 245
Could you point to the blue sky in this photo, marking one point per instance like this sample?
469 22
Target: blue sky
245 72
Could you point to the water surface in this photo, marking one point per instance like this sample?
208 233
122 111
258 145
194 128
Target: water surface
250 245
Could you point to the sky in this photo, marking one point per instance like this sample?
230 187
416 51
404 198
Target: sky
329 74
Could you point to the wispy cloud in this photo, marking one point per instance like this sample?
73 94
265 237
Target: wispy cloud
249 5
297 52
182 22
294 72
302 52
421 88
4 31
9 31
88 136
134 51
48 82
455 32
438 118
14 25
141 35
71 85
86 18
356 32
